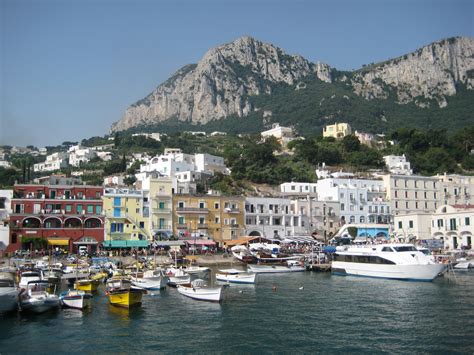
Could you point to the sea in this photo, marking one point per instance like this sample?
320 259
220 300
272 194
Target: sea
305 312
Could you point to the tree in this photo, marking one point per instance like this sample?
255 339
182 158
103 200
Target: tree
350 143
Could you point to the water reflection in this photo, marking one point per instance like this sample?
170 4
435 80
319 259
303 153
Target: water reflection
125 314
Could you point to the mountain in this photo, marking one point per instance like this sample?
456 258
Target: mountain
241 79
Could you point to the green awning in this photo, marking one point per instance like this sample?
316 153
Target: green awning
125 243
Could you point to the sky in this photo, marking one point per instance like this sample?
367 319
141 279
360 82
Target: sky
70 68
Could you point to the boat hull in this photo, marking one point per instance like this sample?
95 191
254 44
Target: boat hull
213 294
42 305
178 280
243 278
90 286
8 300
125 298
152 284
418 272
266 269
77 300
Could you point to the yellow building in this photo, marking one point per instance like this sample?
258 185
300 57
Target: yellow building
125 219
219 217
161 205
337 130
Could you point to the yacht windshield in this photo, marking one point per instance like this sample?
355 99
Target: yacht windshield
405 248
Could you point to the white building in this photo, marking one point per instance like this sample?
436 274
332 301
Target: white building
114 180
283 134
454 225
272 218
208 163
415 225
80 156
398 164
55 161
155 136
298 188
105 156
360 200
5 211
455 189
5 164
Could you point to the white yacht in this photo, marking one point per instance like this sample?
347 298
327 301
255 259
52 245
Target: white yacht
391 261
8 293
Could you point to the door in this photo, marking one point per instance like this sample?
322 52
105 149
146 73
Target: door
455 242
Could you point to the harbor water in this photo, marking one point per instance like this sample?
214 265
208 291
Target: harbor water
302 312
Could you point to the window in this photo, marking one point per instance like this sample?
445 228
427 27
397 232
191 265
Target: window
180 220
202 205
416 194
410 224
161 205
142 224
79 209
68 208
467 221
97 194
217 220
116 212
98 209
400 225
440 222
180 204
406 194
342 207
90 209
116 227
202 220
216 206
117 201
396 204
452 224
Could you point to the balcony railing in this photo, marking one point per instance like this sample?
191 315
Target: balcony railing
202 226
161 210
192 210
182 226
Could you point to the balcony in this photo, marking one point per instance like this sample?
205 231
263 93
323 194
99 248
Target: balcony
161 210
234 225
163 196
191 210
162 227
181 226
119 236
202 226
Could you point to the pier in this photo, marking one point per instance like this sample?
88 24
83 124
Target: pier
319 267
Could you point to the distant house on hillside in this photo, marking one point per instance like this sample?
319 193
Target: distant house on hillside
337 130
284 135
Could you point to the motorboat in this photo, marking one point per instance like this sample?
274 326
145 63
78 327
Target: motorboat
27 276
76 299
235 276
37 299
122 293
289 266
199 290
200 271
151 280
8 293
242 253
177 277
90 284
392 261
464 264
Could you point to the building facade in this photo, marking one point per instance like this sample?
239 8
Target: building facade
337 130
5 211
127 219
218 217
454 225
53 162
65 216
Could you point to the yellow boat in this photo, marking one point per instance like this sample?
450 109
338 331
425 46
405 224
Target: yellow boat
87 285
121 293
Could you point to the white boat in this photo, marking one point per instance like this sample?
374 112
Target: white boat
200 271
198 290
151 280
177 277
235 276
464 264
76 299
37 299
392 261
28 276
8 293
276 268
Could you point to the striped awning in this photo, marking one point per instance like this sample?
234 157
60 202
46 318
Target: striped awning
299 239
58 241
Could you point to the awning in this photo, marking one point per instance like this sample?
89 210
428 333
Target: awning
125 243
162 243
200 242
58 241
299 239
243 240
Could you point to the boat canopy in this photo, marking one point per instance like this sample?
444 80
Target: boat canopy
244 240
300 239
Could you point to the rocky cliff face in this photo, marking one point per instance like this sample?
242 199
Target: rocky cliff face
430 73
220 84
